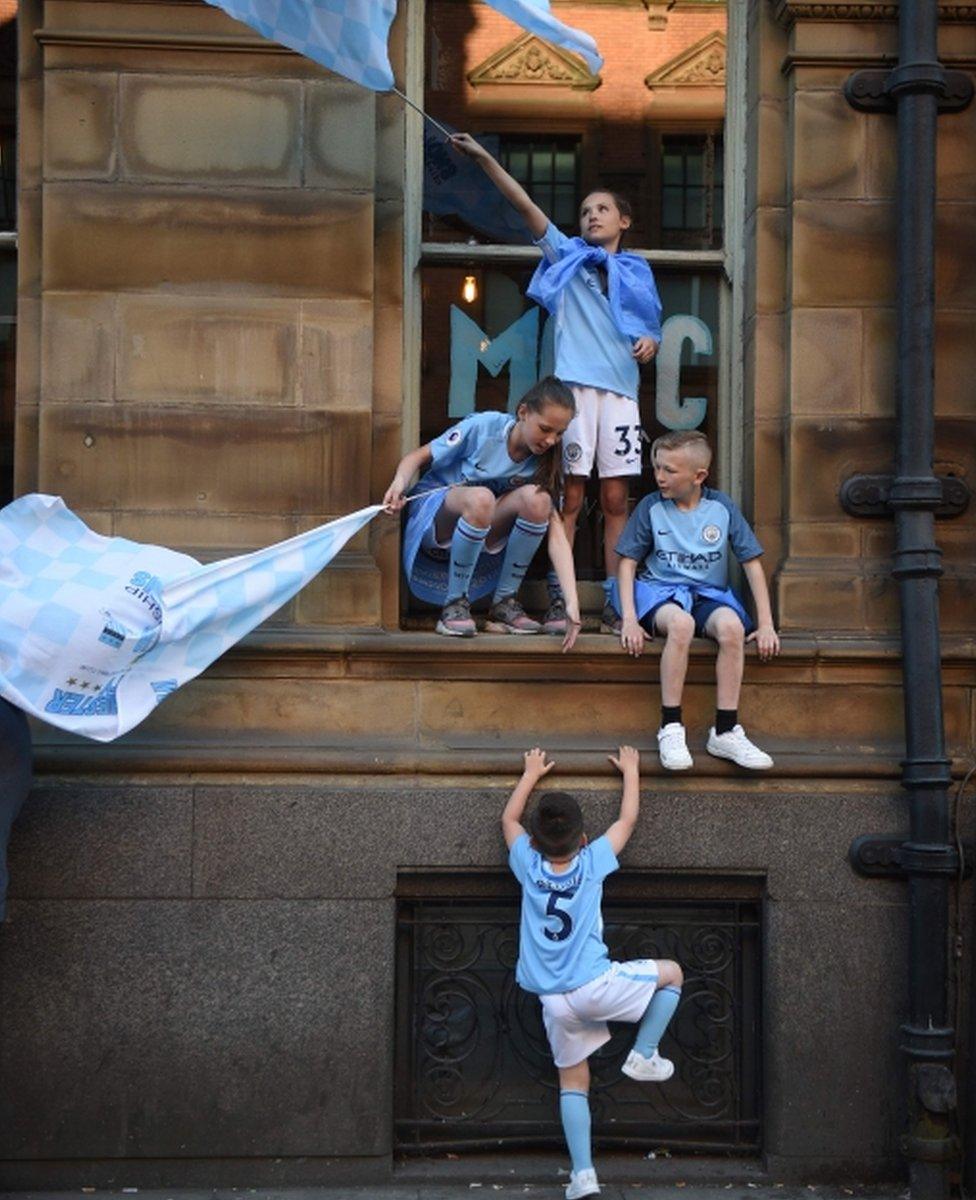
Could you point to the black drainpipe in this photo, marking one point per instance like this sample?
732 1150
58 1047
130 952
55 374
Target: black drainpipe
916 90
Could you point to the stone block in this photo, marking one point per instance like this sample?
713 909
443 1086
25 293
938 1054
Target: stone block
956 163
955 362
79 125
767 440
78 841
269 462
766 365
390 147
337 355
78 347
271 1009
286 241
879 361
387 452
771 260
30 133
828 146
388 249
825 360
825 539
846 1049
955 251
842 253
388 356
825 452
827 600
205 537
183 349
766 145
347 594
28 355
340 135
880 158
218 132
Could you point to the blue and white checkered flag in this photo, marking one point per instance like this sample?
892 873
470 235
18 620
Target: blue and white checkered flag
347 36
96 631
535 16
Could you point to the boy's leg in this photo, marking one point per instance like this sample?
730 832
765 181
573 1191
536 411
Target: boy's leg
574 1111
727 739
678 628
644 1063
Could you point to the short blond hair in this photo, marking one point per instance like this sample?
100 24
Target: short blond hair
692 440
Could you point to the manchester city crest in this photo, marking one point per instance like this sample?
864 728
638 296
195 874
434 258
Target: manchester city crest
711 534
573 452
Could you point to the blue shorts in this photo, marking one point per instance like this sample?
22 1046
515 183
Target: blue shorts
701 610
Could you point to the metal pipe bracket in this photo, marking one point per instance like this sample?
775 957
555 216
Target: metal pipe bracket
876 90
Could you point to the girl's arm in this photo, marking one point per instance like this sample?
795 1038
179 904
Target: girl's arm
632 633
535 767
627 763
510 188
765 635
561 556
410 464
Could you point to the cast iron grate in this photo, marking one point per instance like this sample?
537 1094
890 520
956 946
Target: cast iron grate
473 1068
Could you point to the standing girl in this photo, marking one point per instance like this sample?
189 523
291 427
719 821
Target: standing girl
489 497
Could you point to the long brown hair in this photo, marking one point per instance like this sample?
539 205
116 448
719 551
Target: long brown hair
549 473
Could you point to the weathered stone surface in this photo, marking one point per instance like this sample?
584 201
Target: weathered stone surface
842 253
828 146
766 156
337 355
825 360
880 359
340 135
833 539
269 462
213 131
79 125
273 1011
79 841
207 349
78 347
831 450
955 362
955 249
285 241
204 536
347 594
821 599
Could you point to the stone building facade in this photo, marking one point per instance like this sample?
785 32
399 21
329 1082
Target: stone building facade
213 967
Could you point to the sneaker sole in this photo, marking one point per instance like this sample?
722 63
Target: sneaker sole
683 767
442 629
646 1078
498 627
744 766
581 1195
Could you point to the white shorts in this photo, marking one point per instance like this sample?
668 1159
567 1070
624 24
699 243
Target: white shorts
606 427
576 1021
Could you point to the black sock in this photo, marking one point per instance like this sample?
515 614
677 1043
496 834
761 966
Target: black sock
670 713
726 719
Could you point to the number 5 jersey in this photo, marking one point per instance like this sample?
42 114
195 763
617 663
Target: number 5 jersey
561 943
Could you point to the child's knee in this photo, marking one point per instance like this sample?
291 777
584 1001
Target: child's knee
670 973
574 491
536 504
478 505
681 629
613 497
729 632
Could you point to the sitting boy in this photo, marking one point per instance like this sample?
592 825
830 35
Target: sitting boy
674 580
562 956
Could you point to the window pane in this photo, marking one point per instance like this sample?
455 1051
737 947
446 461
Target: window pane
695 208
695 166
672 168
672 209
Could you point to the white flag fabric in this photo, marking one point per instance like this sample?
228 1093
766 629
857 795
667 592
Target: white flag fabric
348 36
536 17
95 631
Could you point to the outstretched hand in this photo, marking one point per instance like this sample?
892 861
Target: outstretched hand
626 759
465 144
535 764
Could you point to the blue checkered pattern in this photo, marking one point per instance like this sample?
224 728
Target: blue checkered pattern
534 15
347 36
96 631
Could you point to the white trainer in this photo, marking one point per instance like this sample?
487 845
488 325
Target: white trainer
736 746
648 1070
673 748
582 1183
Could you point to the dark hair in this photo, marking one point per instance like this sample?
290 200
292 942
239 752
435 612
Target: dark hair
556 824
549 473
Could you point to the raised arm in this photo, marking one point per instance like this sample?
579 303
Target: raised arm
535 767
627 762
410 464
510 188
632 633
765 635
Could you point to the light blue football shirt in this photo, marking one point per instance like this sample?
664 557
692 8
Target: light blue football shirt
476 451
561 943
590 349
674 545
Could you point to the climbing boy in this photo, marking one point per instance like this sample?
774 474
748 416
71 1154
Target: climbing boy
562 955
674 580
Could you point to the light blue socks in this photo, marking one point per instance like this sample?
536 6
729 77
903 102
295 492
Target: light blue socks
574 1109
466 545
655 1019
522 544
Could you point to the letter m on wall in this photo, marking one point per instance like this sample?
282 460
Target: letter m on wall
470 345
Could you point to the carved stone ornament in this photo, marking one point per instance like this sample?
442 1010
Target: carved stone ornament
790 11
531 60
701 65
